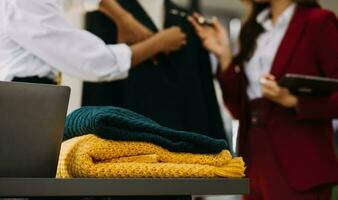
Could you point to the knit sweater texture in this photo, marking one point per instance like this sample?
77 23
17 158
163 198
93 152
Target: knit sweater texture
124 125
89 156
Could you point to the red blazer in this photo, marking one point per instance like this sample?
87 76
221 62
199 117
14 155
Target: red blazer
302 139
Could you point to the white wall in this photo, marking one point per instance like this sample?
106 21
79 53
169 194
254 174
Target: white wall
330 4
75 84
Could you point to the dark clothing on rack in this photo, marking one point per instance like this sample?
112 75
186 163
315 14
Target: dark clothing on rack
174 90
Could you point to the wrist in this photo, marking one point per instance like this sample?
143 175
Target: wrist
155 43
224 59
291 102
158 43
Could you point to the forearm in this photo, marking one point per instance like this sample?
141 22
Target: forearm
145 50
225 59
113 10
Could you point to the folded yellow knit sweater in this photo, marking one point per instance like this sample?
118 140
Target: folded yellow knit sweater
92 157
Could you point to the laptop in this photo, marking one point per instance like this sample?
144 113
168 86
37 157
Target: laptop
31 128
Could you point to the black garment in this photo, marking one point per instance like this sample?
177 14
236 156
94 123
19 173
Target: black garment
177 92
35 79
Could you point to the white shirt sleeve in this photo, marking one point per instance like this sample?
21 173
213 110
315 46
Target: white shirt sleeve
40 28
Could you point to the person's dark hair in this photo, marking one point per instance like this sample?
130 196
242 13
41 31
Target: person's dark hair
251 30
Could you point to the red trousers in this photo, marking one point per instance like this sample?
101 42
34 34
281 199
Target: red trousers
267 181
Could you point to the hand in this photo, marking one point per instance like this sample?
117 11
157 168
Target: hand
280 95
131 31
170 40
215 38
166 41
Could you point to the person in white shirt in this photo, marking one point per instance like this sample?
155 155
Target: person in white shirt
37 41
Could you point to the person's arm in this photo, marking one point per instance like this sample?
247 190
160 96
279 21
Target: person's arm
165 41
39 28
129 29
215 39
280 95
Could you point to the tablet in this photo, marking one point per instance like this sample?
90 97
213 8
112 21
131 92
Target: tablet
309 85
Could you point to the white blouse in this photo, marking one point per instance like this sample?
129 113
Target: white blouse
266 48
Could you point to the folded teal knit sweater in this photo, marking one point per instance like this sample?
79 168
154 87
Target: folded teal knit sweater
121 124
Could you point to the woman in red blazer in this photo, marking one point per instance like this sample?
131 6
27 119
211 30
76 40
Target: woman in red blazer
286 139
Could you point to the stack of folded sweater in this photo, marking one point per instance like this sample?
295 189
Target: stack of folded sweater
114 142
